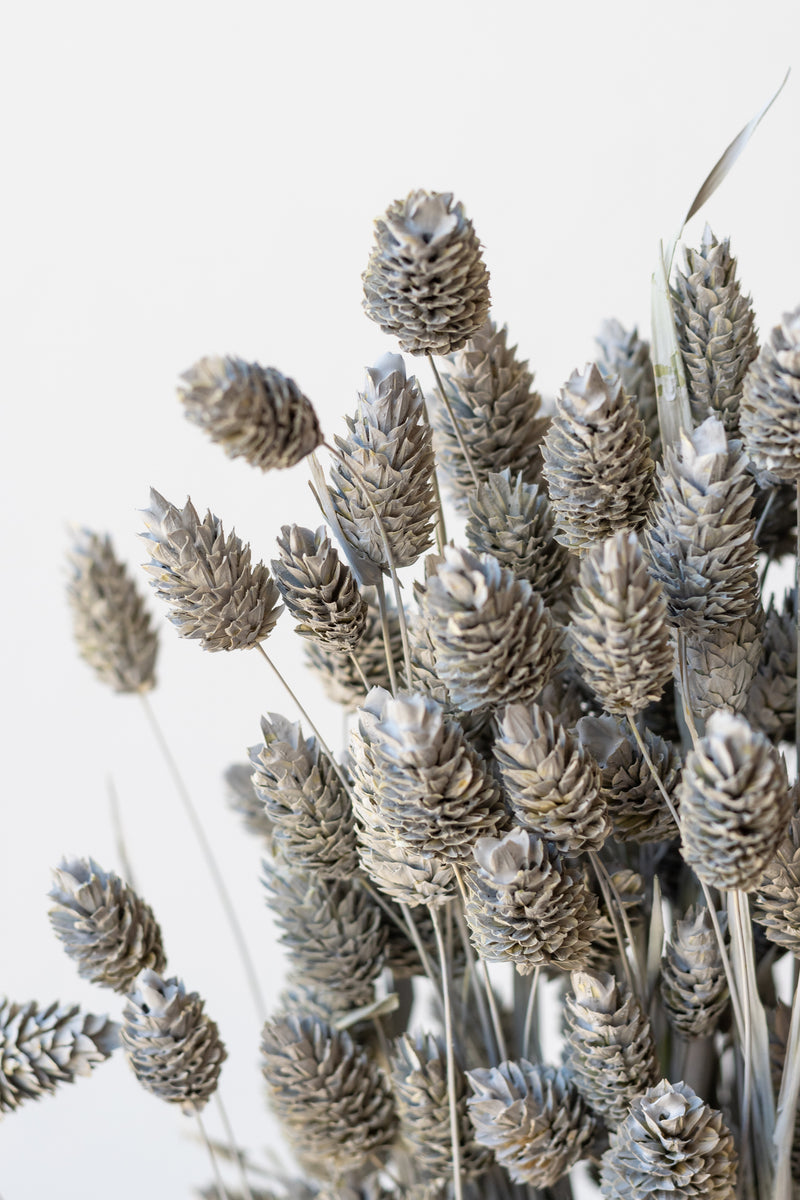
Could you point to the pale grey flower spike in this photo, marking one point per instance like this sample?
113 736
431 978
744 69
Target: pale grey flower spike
43 1047
773 694
777 901
214 593
770 414
253 412
498 413
104 926
336 672
722 664
173 1048
624 354
694 987
426 283
113 630
318 589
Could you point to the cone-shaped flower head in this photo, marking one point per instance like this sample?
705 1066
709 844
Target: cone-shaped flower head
253 412
772 698
110 933
528 906
388 452
334 932
494 640
496 407
514 522
419 1075
694 989
112 627
532 1117
777 901
634 799
552 786
429 786
426 283
735 804
722 664
319 589
610 1050
173 1047
336 673
619 634
716 330
334 1103
624 354
770 415
671 1144
597 461
207 580
701 539
310 811
43 1047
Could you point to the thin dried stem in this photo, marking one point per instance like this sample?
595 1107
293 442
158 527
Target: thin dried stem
455 1139
119 833
686 688
615 909
210 860
234 1146
441 531
358 670
454 422
787 1106
530 1009
220 1186
387 644
489 1040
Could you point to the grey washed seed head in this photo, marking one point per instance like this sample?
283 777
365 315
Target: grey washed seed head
431 789
43 1047
529 906
497 410
244 800
609 1050
336 673
694 988
387 452
102 924
419 1077
770 414
173 1048
333 1101
552 786
112 628
426 283
304 799
722 663
671 1144
253 412
776 904
634 799
772 699
532 1117
619 636
494 641
700 540
597 461
214 593
318 589
333 930
624 354
513 522
716 330
735 804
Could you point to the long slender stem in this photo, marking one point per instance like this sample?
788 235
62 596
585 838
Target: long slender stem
455 1139
234 1146
358 671
490 996
220 1186
210 860
489 1040
787 1106
387 643
441 531
530 1009
606 886
119 834
454 422
686 688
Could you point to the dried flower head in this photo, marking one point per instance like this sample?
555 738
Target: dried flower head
339 677
110 933
722 663
497 410
113 630
253 412
207 580
772 699
672 1143
318 589
43 1047
426 283
770 413
735 804
777 901
173 1047
694 987
533 1119
597 461
624 354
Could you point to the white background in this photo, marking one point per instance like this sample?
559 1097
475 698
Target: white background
182 179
